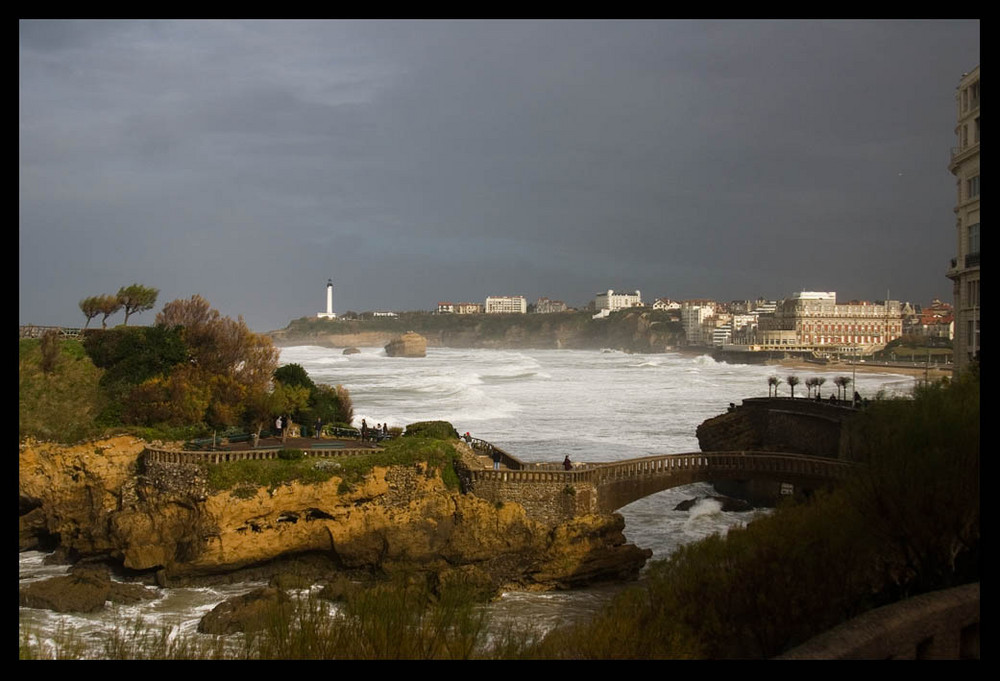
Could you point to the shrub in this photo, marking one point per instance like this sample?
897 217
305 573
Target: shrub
290 454
438 430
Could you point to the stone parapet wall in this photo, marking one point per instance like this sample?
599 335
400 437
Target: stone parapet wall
781 424
943 625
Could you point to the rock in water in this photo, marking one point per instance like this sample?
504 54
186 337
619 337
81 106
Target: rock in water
410 344
351 351
242 613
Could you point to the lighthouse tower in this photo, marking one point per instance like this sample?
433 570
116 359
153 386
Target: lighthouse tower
329 302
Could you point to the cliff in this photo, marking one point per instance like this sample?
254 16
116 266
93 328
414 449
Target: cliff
628 330
96 500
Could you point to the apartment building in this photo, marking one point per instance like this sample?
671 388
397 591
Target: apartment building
964 269
506 305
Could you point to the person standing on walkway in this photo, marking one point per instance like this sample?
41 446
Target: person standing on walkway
496 459
567 464
364 430
277 426
319 428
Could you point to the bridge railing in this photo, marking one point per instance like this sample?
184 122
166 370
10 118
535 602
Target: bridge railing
669 464
155 455
488 449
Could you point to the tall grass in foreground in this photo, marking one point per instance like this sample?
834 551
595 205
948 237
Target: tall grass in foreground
397 621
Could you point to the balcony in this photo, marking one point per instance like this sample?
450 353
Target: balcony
959 154
972 260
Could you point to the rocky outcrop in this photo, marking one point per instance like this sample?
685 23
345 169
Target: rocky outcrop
85 590
68 494
351 351
398 518
410 344
242 613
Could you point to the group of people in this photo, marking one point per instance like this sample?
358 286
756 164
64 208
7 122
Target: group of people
376 434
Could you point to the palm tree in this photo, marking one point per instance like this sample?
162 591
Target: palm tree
819 384
772 382
810 384
792 382
842 382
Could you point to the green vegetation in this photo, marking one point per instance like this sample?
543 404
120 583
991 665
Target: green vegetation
441 430
62 404
332 405
436 454
193 373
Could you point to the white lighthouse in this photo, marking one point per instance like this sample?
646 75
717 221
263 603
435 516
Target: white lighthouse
329 302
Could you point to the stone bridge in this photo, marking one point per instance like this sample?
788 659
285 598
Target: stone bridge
549 492
552 494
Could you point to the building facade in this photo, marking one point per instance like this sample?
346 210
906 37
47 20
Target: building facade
964 270
812 320
545 306
611 301
506 305
698 323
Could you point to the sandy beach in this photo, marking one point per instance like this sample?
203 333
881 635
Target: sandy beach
933 372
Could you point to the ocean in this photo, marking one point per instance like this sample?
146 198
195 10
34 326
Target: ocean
539 405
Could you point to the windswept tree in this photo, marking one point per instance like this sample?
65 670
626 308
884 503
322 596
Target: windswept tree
90 307
108 305
792 382
136 298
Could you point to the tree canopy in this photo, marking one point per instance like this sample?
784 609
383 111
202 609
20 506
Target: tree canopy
90 307
136 298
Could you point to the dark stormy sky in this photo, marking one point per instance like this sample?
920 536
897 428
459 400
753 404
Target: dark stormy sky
420 161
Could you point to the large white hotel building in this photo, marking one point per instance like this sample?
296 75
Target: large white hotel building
812 320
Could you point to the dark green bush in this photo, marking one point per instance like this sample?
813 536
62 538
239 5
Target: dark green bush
436 430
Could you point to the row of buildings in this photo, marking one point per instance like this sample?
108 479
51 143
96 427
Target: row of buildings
604 302
805 321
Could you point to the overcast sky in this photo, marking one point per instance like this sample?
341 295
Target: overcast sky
422 161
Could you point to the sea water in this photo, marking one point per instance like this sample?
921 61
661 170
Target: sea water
539 405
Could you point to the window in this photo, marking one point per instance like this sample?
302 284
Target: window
973 293
973 186
973 242
975 132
